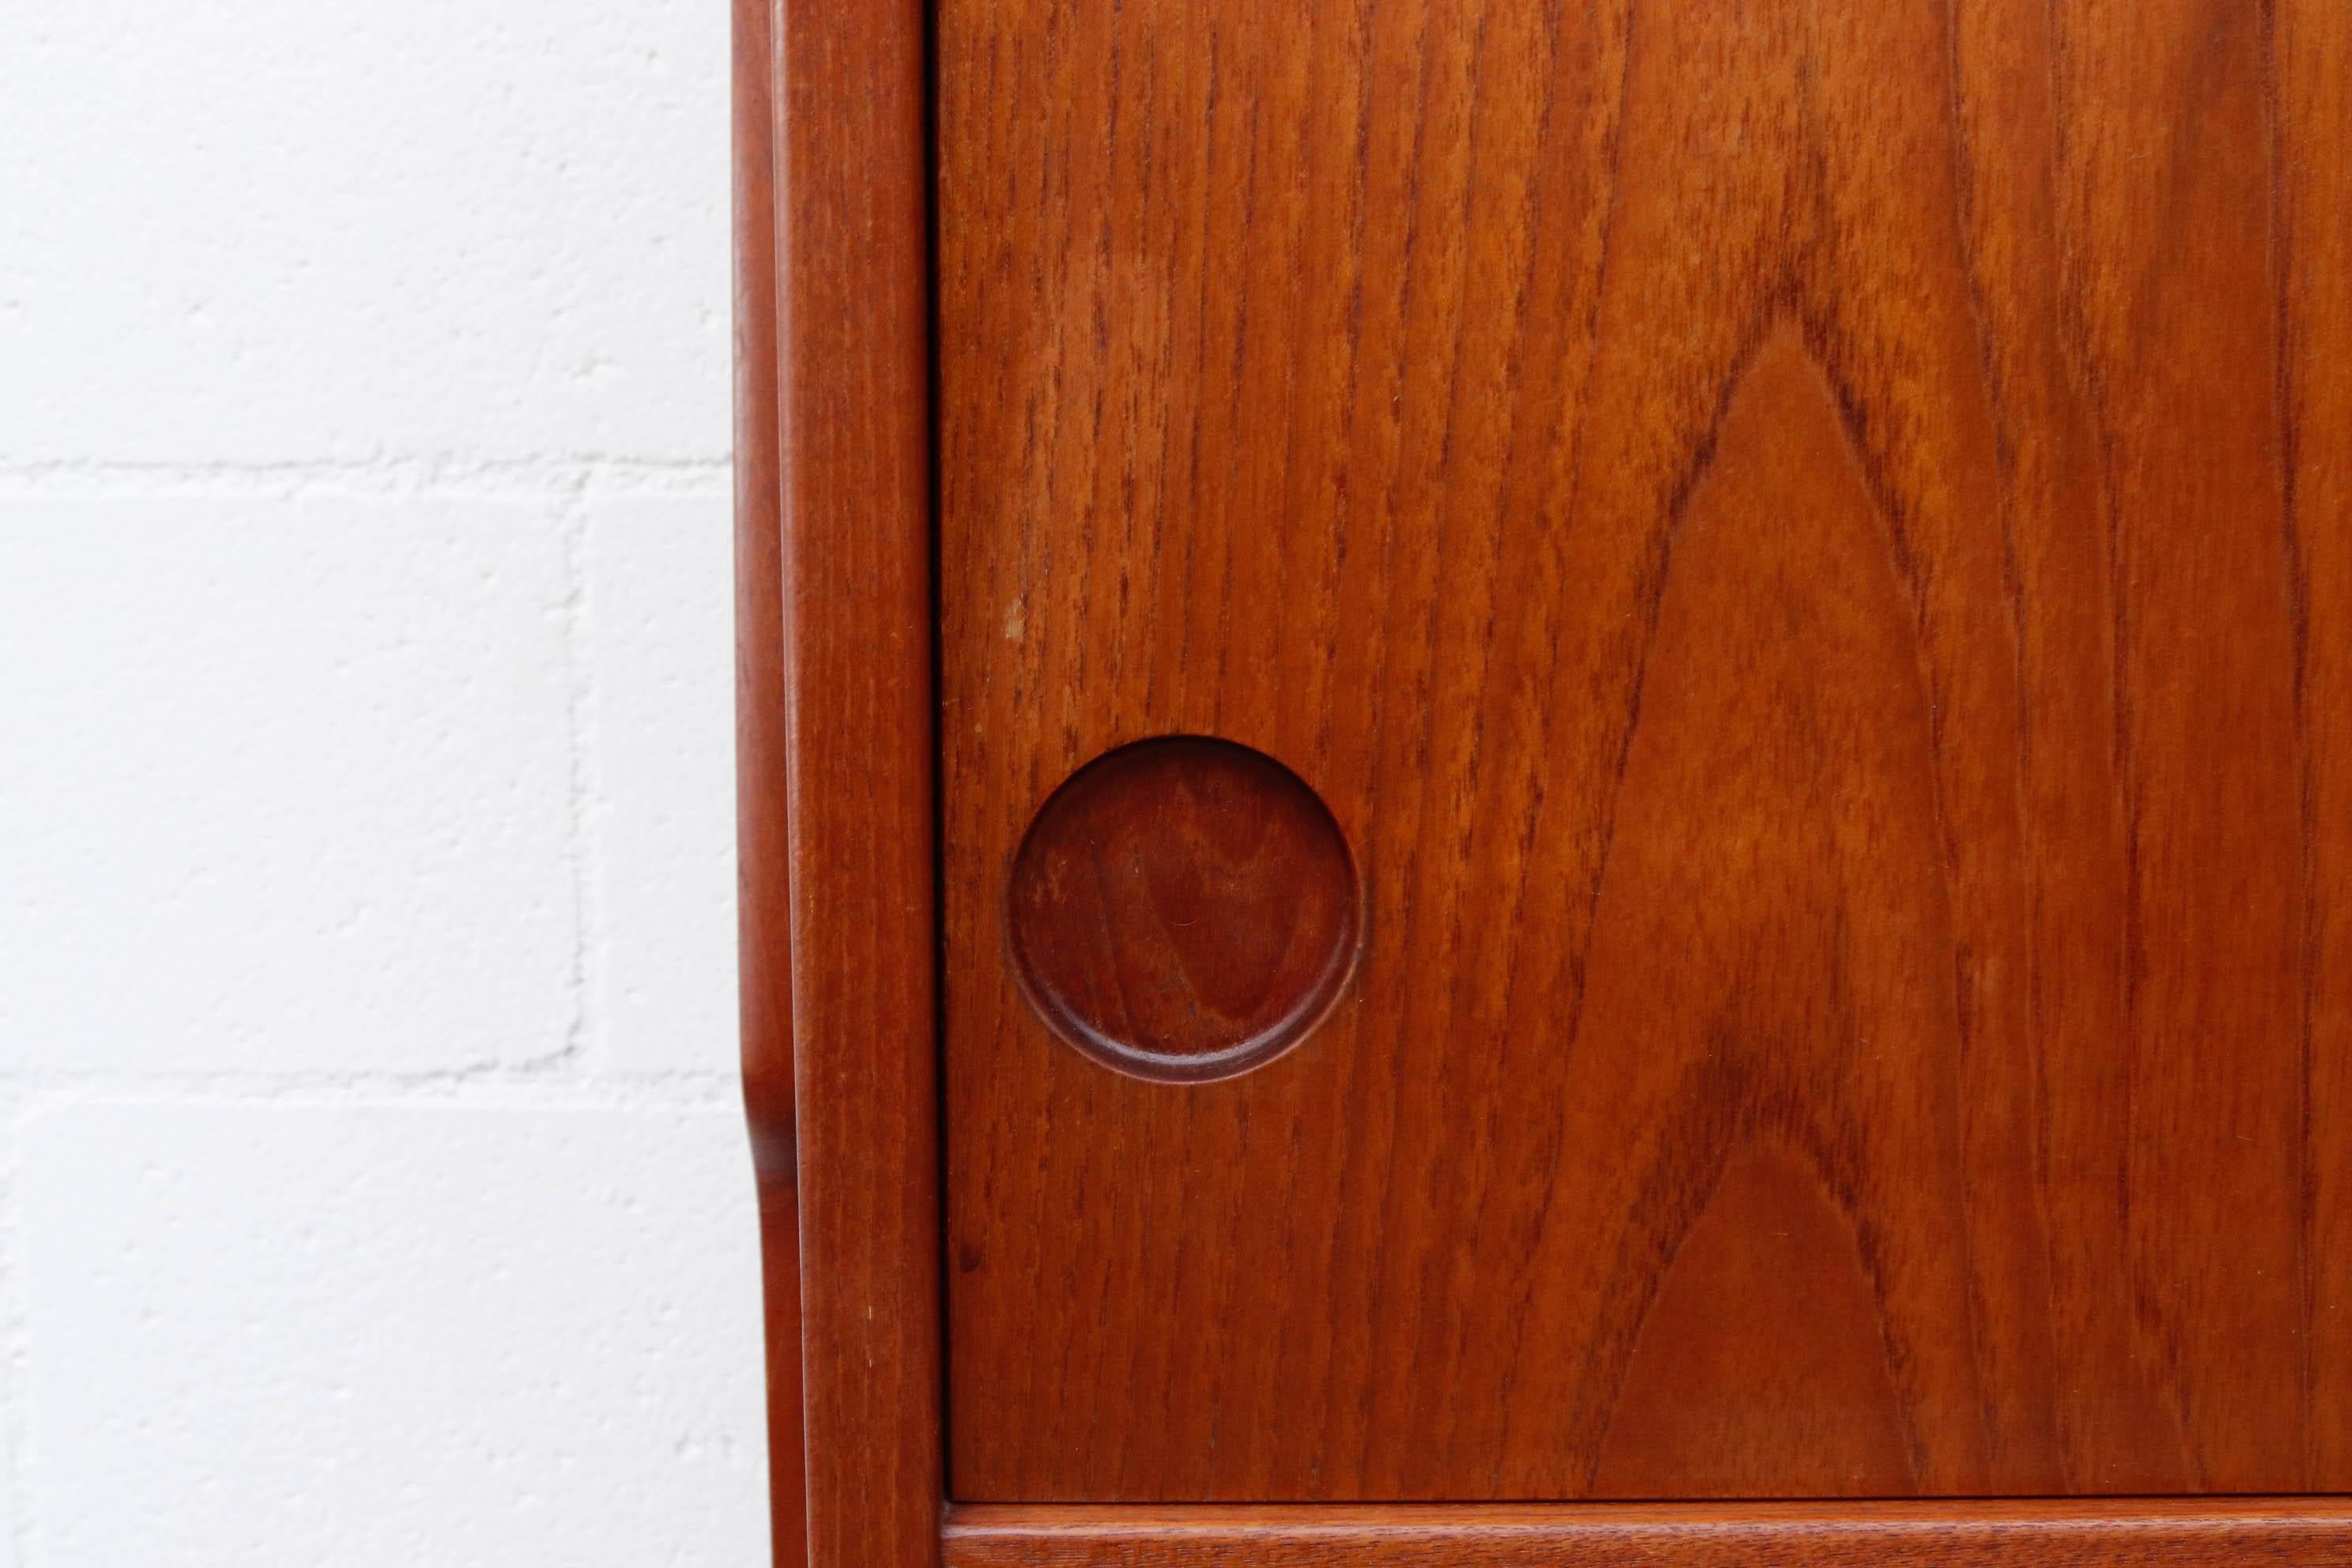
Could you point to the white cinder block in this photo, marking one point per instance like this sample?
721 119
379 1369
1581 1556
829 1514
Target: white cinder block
274 230
393 1337
659 617
12 1519
283 785
13 1494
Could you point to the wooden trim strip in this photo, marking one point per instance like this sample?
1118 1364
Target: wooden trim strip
762 903
2091 1534
853 359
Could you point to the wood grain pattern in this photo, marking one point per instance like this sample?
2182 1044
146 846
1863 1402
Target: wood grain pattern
1807 544
2060 1534
763 903
853 366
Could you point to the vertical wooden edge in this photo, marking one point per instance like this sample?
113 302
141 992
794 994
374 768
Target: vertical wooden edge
763 936
852 361
2116 1533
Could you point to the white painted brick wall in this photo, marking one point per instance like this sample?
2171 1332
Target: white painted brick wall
372 1186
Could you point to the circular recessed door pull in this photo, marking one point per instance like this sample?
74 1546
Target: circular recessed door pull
1183 909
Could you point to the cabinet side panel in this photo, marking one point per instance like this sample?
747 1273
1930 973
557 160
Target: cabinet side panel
763 905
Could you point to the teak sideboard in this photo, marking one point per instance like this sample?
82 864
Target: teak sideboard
1549 783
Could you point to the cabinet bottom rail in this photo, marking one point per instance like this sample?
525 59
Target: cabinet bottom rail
2111 1532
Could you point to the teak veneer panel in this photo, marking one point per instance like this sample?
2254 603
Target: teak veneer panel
1807 546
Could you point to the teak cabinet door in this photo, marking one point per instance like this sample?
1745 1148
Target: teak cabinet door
1753 894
